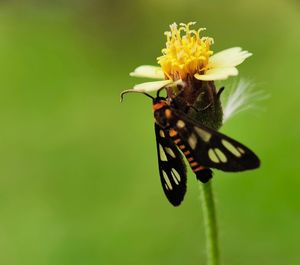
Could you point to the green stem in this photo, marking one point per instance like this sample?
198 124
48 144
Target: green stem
210 222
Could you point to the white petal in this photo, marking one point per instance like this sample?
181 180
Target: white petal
148 71
217 74
228 58
151 86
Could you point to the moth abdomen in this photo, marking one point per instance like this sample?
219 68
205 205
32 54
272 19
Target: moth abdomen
204 174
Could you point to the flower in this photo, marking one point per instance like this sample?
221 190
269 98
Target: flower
188 55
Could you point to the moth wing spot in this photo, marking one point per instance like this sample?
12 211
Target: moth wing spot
221 155
231 148
180 124
175 176
192 141
167 181
205 136
212 156
162 154
170 152
242 151
162 134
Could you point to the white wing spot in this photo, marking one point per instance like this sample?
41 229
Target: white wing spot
221 155
203 134
212 156
170 152
180 124
162 134
193 141
162 154
231 148
175 176
167 181
242 151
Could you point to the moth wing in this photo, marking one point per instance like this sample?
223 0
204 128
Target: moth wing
213 149
172 169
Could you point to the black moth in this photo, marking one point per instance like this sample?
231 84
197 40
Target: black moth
204 148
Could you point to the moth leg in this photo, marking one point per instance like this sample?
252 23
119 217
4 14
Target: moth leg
220 91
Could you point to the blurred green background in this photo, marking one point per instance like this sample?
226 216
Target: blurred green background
78 171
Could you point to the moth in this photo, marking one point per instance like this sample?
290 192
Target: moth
178 135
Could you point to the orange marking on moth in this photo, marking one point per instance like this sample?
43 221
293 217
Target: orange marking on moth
194 164
190 159
186 153
198 169
181 147
158 105
172 133
177 141
168 113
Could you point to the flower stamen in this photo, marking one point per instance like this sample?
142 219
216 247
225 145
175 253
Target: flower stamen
186 53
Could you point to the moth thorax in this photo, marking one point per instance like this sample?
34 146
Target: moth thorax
162 116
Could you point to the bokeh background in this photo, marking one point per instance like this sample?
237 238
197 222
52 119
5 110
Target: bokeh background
78 170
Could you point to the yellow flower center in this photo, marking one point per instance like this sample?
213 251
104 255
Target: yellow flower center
186 53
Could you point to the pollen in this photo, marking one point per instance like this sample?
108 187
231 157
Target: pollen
186 52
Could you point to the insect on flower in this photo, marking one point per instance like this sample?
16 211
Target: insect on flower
189 70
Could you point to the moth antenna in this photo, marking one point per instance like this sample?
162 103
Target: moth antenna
133 91
159 90
179 84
